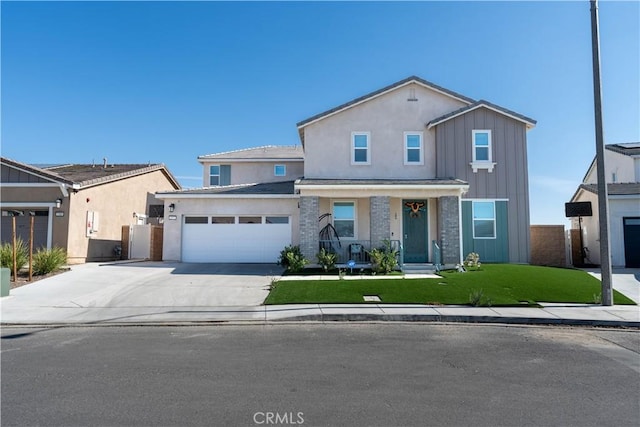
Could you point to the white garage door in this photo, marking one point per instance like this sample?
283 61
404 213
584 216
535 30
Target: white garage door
248 239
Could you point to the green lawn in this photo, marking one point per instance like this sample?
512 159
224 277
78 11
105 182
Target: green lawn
503 284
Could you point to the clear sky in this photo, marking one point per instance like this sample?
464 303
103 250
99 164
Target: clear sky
165 82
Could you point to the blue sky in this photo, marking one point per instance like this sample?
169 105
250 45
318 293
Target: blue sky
166 82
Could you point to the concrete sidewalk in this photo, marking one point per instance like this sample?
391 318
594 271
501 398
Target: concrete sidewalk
174 293
618 316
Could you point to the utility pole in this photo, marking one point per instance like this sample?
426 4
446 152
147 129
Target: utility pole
31 219
15 251
603 194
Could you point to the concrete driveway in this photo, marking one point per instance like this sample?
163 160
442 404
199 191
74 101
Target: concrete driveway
141 284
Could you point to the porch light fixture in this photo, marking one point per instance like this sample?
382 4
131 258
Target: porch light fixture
58 203
172 207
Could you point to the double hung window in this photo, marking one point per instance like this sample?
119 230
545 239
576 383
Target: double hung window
484 220
344 219
360 148
482 151
219 175
413 150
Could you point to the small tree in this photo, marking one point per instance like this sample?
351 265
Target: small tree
291 259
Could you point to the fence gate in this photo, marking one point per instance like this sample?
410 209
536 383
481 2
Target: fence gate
140 242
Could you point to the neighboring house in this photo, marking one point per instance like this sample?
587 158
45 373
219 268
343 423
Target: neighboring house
412 163
81 208
623 186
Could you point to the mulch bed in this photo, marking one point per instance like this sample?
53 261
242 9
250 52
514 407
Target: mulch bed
23 277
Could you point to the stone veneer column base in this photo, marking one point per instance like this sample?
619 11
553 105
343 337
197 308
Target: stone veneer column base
309 227
449 221
380 220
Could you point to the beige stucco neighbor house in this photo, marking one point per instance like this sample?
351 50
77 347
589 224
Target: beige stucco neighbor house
436 173
81 208
623 186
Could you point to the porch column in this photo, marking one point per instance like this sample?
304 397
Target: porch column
449 224
309 227
380 220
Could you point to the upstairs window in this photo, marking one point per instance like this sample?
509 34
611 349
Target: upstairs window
481 145
219 175
360 154
214 175
280 170
413 150
482 157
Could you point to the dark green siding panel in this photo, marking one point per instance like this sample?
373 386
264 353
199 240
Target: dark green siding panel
490 250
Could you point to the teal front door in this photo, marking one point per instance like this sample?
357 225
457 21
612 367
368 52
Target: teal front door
415 232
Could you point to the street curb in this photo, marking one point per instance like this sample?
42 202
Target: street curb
363 318
460 319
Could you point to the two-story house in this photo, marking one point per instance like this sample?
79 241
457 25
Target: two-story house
412 163
623 187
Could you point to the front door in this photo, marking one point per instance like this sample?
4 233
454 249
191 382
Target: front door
415 232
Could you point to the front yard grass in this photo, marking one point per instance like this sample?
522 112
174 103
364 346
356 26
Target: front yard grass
503 284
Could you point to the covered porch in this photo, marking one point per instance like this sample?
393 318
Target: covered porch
418 218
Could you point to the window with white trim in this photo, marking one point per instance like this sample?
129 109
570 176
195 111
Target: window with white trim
219 175
481 150
413 149
214 175
360 148
484 219
280 170
344 219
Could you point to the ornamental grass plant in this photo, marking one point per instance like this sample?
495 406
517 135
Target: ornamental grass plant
6 254
46 261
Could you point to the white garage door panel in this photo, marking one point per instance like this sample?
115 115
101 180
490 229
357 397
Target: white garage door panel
260 243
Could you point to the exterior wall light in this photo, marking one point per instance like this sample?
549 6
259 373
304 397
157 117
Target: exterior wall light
172 207
58 203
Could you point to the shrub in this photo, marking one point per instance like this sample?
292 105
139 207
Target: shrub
291 259
46 261
472 261
6 254
384 259
326 259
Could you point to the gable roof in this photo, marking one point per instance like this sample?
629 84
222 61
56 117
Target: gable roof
617 189
267 152
84 175
530 123
379 92
628 148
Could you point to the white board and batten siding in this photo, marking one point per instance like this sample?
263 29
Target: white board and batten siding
234 238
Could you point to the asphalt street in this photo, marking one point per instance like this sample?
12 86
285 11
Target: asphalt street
373 374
